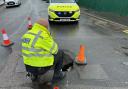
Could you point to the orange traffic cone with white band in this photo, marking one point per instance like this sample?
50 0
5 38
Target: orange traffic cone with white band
6 41
29 23
81 58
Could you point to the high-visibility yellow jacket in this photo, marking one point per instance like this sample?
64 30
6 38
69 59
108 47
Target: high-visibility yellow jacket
38 47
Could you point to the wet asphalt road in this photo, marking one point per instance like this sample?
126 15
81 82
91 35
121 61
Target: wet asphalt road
106 48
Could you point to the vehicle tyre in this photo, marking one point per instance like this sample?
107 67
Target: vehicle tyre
50 22
6 6
76 22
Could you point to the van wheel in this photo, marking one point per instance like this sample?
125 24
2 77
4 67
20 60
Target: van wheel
76 22
50 22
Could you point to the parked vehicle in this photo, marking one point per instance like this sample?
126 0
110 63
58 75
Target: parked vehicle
9 3
63 11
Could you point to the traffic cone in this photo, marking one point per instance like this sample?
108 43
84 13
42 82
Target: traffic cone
6 41
56 87
29 23
81 58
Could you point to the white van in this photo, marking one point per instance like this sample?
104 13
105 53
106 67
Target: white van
9 3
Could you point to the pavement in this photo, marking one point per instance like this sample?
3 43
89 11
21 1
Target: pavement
106 50
122 19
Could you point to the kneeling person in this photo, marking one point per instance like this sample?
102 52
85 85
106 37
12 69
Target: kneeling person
40 52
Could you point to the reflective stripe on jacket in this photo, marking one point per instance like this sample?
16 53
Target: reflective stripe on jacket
38 47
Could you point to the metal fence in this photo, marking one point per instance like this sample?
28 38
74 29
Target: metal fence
116 6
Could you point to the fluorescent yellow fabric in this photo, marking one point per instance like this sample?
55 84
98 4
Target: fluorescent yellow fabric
38 47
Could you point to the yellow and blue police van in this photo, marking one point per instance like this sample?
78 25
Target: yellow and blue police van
63 11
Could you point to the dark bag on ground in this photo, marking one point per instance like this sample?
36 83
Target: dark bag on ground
67 60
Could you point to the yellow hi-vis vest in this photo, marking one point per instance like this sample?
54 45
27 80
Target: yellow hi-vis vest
38 47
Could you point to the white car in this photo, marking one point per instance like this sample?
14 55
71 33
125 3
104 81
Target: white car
9 3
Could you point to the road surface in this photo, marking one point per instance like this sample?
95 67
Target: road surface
106 50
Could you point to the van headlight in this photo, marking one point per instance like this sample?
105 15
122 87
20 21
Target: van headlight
51 10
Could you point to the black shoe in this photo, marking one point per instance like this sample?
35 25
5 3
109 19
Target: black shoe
59 75
34 78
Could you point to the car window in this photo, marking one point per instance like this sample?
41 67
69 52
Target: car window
62 1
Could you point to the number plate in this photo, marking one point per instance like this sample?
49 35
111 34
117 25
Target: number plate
11 3
64 19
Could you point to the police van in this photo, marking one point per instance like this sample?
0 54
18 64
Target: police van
63 11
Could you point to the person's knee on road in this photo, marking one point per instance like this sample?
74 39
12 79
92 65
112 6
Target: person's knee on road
59 74
58 60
